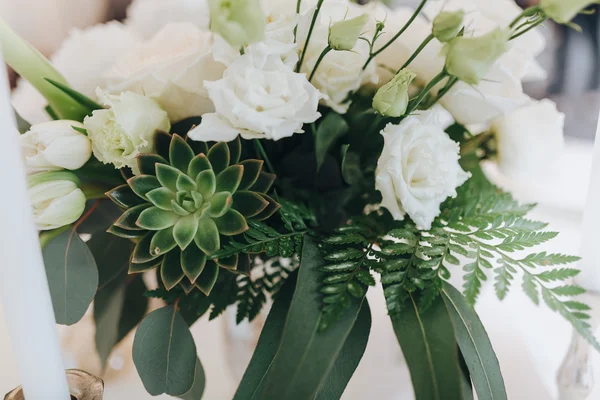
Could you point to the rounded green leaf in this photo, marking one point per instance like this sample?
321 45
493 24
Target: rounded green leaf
219 156
206 182
198 198
180 153
141 253
170 271
129 218
147 163
198 164
162 242
185 230
220 203
156 219
161 198
229 180
124 197
167 176
232 223
185 183
164 353
143 184
193 261
208 278
207 237
252 169
249 204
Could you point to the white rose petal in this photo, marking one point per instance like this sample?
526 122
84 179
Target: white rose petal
529 139
148 17
418 168
259 97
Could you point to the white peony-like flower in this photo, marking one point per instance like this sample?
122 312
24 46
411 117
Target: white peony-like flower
171 68
127 128
418 168
82 59
259 97
148 17
55 145
529 139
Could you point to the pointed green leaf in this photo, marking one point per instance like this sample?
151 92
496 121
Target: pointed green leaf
170 271
208 278
198 164
147 163
264 182
141 253
198 199
252 170
180 153
269 211
206 183
198 147
185 183
129 218
220 203
161 198
331 128
232 223
167 176
193 261
164 353
72 276
207 237
124 197
162 143
135 268
185 231
235 150
179 210
79 98
219 157
162 242
156 219
244 265
229 180
142 184
475 346
125 233
229 263
249 204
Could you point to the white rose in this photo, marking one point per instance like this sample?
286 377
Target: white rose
55 145
126 129
259 97
171 68
148 17
418 168
529 139
82 59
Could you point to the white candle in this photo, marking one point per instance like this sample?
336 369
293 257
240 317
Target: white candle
24 289
590 244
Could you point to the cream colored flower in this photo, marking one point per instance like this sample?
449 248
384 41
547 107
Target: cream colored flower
148 17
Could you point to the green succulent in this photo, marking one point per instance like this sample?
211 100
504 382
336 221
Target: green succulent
186 198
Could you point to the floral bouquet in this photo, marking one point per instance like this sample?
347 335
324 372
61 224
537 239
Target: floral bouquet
300 151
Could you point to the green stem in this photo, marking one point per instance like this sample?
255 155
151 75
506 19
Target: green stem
415 103
417 52
451 82
298 3
263 154
310 31
528 12
532 26
321 57
397 35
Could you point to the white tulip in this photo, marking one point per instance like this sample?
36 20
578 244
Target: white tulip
529 139
55 145
56 199
418 168
127 128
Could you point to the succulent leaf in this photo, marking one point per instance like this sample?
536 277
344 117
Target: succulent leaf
219 157
249 204
124 197
161 198
198 164
206 183
162 242
197 147
252 169
167 176
264 182
141 253
270 210
135 268
147 163
162 144
235 150
193 261
232 223
143 184
155 219
208 278
229 180
220 203
125 233
129 218
229 263
171 273
180 153
185 231
207 237
185 183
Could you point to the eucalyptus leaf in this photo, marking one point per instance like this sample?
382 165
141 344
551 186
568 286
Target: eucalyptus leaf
72 276
164 353
475 346
330 129
199 384
429 347
351 169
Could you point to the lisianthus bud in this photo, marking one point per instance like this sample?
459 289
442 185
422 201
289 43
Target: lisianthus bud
240 22
56 199
447 25
127 128
471 58
55 145
391 100
343 35
563 11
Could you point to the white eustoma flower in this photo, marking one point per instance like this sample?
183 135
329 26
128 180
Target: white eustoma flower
529 139
55 145
259 96
418 168
148 17
171 68
56 199
125 129
82 59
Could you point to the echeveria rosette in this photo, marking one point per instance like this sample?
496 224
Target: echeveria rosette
186 198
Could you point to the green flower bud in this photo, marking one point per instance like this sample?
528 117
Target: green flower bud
447 25
343 35
471 58
239 22
563 11
391 100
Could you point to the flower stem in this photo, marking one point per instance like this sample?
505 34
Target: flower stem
532 26
298 3
415 103
310 31
528 12
451 82
417 52
321 57
397 35
263 154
